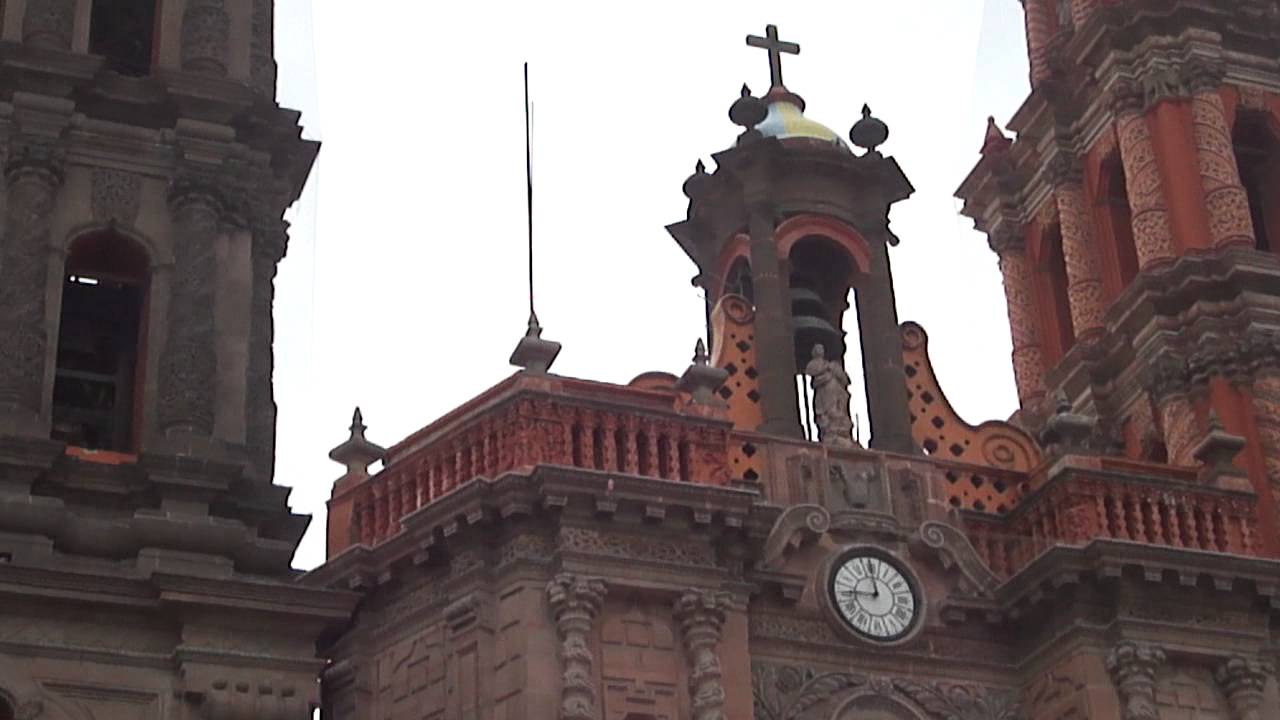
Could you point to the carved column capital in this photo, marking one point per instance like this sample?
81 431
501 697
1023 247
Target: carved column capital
1133 668
1127 98
575 601
36 159
1161 84
1243 681
1167 376
1201 74
1065 170
701 614
1006 240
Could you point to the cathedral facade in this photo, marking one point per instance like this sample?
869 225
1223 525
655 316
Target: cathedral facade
710 545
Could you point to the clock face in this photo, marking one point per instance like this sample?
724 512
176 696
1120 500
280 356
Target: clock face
873 597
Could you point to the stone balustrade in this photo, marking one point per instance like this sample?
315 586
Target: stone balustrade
524 423
1077 507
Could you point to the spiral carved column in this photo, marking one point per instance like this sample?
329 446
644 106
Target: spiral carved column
1133 669
1244 683
33 176
1224 194
1152 233
701 615
1028 363
575 602
1079 250
188 367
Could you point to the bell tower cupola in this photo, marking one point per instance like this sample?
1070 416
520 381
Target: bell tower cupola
791 223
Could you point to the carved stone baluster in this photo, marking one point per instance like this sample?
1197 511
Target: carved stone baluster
1244 682
609 429
587 437
33 176
701 615
630 460
650 450
188 365
206 28
575 602
1133 670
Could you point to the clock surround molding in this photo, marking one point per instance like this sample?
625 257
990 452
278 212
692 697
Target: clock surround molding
831 613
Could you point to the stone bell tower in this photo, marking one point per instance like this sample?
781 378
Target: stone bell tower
788 223
1135 222
144 551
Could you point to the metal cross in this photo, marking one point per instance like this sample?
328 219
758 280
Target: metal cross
775 47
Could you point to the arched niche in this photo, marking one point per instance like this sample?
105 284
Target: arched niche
101 343
874 707
1256 142
1115 225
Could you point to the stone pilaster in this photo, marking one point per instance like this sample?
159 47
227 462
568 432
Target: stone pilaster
262 64
270 236
1028 362
1243 682
774 341
33 175
1152 234
206 30
188 364
1079 250
1133 669
1168 383
49 23
575 602
1039 31
1224 194
701 615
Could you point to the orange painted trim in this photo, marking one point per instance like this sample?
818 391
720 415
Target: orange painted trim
795 229
1175 149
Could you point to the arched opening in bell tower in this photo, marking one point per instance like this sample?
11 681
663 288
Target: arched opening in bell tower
101 344
1258 158
123 32
1113 195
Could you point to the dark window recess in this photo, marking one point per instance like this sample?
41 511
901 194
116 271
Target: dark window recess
99 343
123 31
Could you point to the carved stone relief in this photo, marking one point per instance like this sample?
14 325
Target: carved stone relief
1244 683
1133 669
575 602
701 615
115 196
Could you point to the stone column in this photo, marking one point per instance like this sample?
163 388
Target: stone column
701 615
1028 363
1168 383
1039 31
886 379
206 29
188 365
262 62
1224 194
575 602
775 346
49 24
1079 250
33 175
1152 234
1133 670
1243 682
270 236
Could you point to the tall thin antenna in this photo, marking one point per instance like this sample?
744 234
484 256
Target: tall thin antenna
528 169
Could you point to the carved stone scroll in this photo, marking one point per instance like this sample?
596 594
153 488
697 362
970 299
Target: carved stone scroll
797 525
575 602
33 175
1133 670
956 551
701 615
1244 683
188 365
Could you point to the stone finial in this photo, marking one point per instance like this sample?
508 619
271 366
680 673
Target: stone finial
995 141
701 380
1216 451
698 182
747 112
533 353
869 133
1066 432
357 453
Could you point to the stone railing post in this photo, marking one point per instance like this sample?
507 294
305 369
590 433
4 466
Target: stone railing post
1028 362
33 176
701 615
1224 196
1133 670
1152 234
1244 682
1079 250
575 603
188 366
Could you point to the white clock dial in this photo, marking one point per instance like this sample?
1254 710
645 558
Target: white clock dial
873 597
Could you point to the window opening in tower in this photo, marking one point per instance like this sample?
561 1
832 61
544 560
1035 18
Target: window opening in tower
123 32
99 343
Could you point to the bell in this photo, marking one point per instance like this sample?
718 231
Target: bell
811 327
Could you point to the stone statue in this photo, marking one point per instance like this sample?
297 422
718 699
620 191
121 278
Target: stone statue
830 399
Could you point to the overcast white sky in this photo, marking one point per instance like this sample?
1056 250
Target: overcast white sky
404 287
